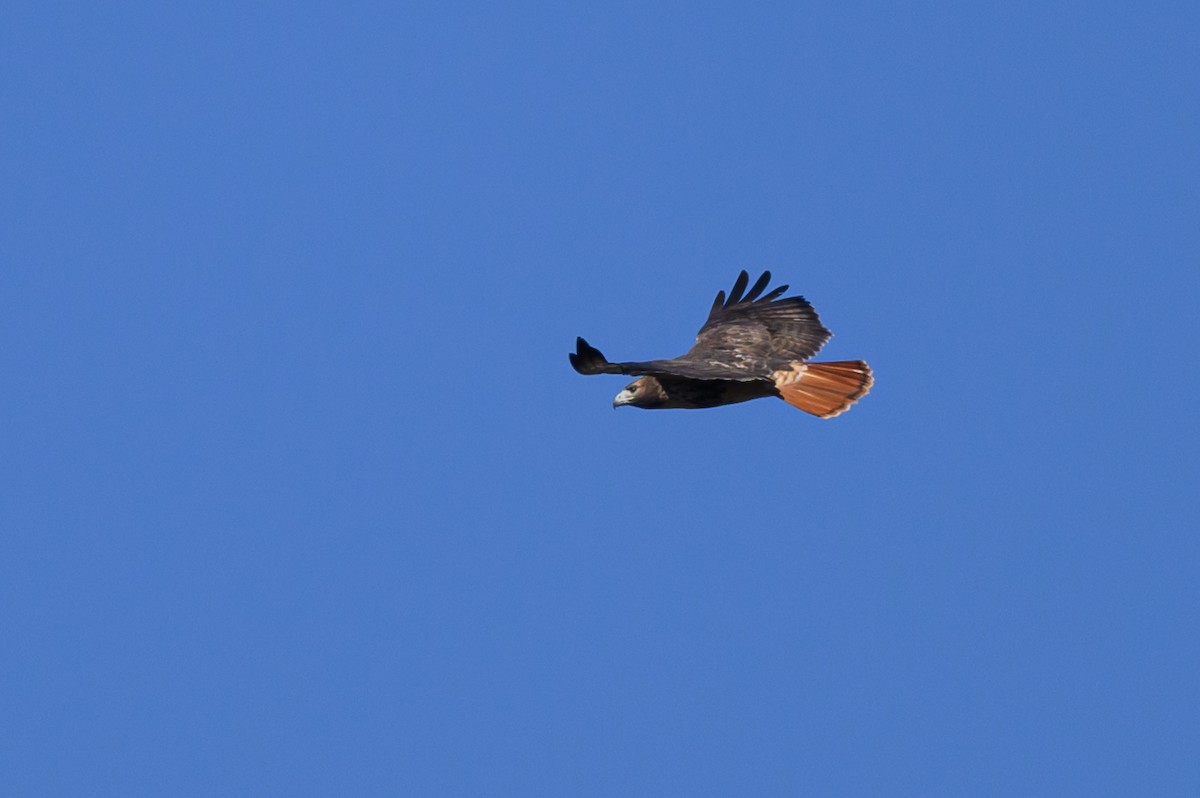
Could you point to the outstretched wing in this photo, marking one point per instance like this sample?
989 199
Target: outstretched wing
587 359
758 332
747 336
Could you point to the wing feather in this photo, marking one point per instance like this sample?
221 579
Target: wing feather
718 303
758 287
587 359
739 285
758 334
774 292
747 336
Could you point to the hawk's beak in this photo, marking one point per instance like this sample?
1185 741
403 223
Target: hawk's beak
623 398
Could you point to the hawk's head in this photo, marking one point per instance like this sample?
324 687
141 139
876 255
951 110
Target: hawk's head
645 392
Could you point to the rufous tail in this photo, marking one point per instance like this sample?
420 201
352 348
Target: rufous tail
824 389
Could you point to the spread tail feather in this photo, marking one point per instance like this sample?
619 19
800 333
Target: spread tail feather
824 389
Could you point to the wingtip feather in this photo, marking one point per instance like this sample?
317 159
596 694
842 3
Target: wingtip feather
739 285
587 359
759 285
718 303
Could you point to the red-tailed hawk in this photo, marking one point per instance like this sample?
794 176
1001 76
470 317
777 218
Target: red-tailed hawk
753 345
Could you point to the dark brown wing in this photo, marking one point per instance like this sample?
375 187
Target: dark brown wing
587 359
756 332
746 337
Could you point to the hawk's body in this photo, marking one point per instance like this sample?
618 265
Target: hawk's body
750 347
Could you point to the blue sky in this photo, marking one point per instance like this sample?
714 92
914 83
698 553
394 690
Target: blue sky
301 496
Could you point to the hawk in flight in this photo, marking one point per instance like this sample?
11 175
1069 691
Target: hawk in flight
753 345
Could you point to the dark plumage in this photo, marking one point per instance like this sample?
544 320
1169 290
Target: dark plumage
752 345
